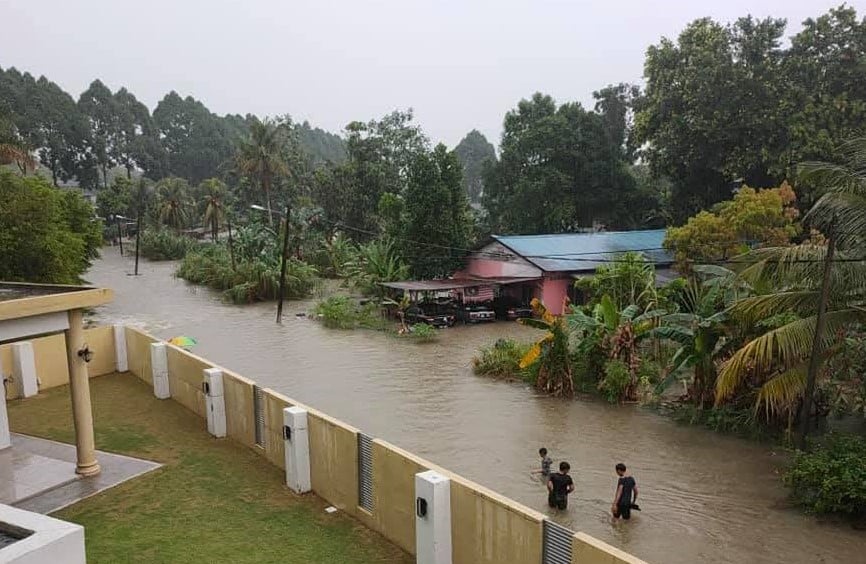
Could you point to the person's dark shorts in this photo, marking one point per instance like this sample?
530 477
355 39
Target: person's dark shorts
557 502
624 511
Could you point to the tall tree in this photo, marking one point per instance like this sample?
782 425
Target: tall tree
135 135
173 199
196 142
437 222
559 170
213 200
97 103
474 151
262 156
615 104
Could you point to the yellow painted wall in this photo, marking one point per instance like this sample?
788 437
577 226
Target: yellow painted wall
185 377
489 528
240 416
334 461
590 550
50 356
394 493
138 353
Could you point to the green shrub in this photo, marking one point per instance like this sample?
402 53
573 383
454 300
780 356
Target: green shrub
251 280
162 244
831 478
502 360
650 371
337 312
423 332
616 379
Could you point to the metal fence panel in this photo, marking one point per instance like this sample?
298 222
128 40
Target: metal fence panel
557 543
259 411
365 472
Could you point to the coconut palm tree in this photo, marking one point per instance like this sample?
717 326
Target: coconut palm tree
779 359
213 196
261 156
173 195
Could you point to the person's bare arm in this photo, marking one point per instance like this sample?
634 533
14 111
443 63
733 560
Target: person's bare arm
549 485
617 496
571 487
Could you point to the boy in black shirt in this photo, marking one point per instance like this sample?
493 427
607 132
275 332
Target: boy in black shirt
559 485
626 494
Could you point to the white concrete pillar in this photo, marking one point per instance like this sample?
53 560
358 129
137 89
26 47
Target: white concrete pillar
5 437
215 402
432 518
297 442
121 361
24 369
159 366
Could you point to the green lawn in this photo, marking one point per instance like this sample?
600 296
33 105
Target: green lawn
213 501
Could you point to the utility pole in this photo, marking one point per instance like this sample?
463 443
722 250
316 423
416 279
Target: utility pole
815 359
283 265
231 242
119 233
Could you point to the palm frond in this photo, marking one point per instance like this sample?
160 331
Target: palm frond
782 391
755 308
780 349
680 335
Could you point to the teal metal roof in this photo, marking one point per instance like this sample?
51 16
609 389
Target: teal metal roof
586 251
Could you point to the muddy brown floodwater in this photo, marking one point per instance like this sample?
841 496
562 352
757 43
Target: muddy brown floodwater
705 497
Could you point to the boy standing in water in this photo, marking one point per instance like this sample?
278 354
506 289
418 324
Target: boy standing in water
559 485
545 463
626 494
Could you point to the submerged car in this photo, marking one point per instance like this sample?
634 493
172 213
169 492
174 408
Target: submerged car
518 312
431 314
477 313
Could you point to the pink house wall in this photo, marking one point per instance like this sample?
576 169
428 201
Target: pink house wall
553 292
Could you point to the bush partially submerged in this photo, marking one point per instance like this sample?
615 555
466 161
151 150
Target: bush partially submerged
162 244
502 360
343 312
251 280
831 478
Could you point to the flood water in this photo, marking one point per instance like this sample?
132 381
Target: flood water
705 497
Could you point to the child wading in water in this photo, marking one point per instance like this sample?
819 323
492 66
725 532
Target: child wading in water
626 494
559 485
546 462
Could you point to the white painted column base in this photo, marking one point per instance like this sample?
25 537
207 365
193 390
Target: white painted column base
215 402
432 518
159 366
297 442
121 360
24 369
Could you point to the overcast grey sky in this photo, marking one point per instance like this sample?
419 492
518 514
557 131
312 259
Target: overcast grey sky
461 64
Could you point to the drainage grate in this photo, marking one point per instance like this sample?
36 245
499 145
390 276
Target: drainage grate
10 534
259 412
557 543
365 472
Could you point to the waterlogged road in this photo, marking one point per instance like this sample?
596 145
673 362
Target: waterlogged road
705 498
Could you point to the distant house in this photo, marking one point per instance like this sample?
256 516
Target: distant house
523 267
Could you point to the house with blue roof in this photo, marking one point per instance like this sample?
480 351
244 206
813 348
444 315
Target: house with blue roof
523 267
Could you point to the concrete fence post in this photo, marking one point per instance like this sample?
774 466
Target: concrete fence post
215 402
24 369
5 437
296 439
432 518
159 366
121 361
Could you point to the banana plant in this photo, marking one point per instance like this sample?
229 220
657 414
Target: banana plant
550 352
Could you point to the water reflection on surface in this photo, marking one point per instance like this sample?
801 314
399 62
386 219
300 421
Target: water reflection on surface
705 497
